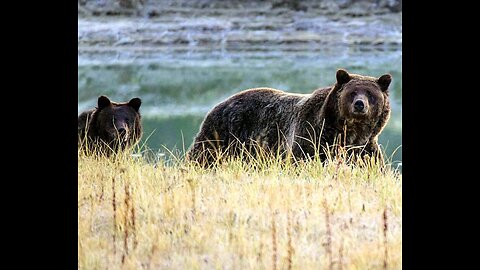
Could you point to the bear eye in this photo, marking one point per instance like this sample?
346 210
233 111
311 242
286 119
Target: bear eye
370 96
353 94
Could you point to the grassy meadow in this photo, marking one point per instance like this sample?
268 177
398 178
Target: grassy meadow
264 214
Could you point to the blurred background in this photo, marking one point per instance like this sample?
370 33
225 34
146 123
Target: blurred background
183 57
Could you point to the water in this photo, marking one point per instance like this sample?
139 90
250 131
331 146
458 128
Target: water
179 88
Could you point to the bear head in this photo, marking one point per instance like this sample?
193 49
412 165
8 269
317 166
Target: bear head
117 124
361 97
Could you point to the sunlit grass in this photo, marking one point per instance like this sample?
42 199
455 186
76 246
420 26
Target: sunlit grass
259 214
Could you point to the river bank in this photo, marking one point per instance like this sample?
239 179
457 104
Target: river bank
252 26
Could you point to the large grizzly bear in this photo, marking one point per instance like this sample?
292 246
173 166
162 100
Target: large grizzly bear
111 126
352 112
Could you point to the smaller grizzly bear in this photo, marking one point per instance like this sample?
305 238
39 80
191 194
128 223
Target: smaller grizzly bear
111 126
350 113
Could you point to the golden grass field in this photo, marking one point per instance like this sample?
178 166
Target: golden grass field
134 214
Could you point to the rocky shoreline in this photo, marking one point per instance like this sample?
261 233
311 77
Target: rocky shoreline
198 25
157 8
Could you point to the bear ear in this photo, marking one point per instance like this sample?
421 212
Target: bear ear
103 102
342 76
384 81
135 103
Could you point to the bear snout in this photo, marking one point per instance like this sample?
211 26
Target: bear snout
359 106
120 134
123 134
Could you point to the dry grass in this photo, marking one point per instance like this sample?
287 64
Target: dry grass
137 215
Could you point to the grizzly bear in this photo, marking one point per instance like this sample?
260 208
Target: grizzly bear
350 113
111 126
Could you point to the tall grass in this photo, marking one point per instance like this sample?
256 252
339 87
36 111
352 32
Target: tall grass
261 213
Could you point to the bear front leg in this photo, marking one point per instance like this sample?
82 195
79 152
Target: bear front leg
372 149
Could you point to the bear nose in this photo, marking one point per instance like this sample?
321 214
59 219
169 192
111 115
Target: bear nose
122 131
359 106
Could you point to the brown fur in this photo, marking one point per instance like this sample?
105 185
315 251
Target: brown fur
300 124
111 124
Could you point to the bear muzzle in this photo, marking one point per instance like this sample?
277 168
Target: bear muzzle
123 135
120 135
359 107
